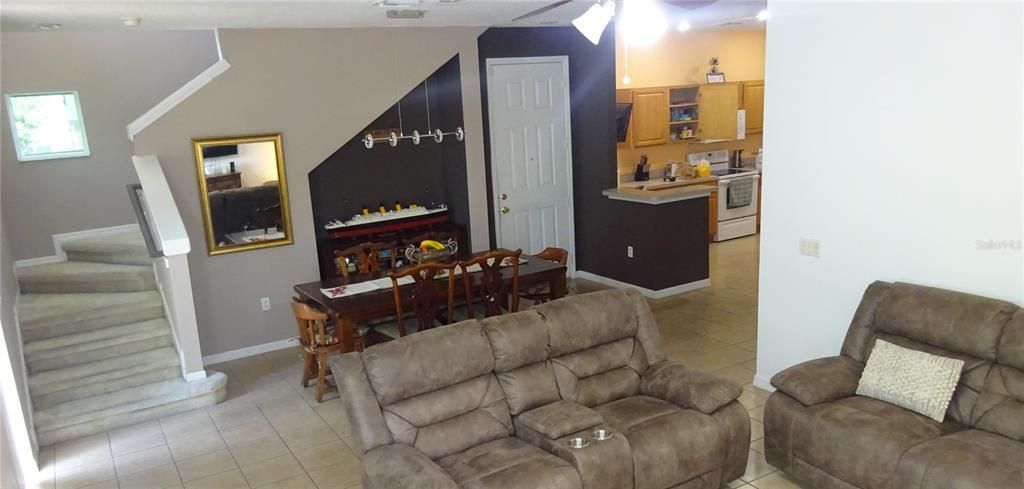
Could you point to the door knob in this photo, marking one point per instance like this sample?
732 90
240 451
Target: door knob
504 210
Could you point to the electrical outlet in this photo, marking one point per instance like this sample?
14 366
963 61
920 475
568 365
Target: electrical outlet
265 303
629 251
810 247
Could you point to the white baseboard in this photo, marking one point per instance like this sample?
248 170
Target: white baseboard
653 294
762 382
250 351
41 260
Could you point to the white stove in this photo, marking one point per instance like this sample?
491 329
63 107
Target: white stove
737 194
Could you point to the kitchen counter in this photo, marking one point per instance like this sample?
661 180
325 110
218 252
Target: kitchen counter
659 183
655 197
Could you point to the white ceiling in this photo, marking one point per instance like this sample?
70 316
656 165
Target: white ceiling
77 15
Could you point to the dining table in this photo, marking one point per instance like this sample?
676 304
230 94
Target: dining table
349 310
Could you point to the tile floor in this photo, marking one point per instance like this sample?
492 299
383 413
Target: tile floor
270 433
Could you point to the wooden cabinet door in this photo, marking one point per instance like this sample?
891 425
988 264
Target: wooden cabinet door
717 106
712 214
650 116
753 103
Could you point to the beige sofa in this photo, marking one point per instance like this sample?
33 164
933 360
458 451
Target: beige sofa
492 403
817 429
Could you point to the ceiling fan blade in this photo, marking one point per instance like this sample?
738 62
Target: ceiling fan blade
541 10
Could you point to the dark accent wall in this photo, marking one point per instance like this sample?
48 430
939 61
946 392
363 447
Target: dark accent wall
604 227
427 174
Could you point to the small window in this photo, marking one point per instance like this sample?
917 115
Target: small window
47 126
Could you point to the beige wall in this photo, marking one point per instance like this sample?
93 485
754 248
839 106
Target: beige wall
681 58
118 76
318 87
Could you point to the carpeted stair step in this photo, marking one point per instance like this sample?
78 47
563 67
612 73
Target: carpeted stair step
43 316
83 417
80 276
87 380
96 345
126 248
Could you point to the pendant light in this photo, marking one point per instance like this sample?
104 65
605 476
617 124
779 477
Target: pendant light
626 80
436 134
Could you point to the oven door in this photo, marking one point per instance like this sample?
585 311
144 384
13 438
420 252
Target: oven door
737 197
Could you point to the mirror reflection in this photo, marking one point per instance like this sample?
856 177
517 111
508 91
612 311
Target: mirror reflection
245 196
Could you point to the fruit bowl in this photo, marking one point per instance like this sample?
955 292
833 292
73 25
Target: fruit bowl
436 253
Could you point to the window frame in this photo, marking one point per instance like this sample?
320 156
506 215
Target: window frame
82 153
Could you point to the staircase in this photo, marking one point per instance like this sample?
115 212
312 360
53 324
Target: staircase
99 350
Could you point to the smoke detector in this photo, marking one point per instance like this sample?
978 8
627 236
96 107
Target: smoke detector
131 21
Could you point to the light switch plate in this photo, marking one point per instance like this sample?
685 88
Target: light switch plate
265 303
810 247
629 252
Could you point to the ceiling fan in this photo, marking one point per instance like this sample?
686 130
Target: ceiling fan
643 20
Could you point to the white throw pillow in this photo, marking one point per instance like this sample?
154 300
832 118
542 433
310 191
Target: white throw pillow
915 380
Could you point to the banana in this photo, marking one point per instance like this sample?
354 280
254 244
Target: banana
431 244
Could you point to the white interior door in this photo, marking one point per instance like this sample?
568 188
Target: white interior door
531 157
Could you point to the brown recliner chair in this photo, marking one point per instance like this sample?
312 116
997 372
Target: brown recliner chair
491 404
817 429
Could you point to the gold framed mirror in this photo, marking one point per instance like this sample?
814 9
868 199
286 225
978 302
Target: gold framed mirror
243 192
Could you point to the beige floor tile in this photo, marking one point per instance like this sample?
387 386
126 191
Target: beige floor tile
749 345
301 481
757 413
148 458
83 475
736 483
730 355
272 470
752 399
333 412
160 477
757 445
135 438
322 456
343 475
306 437
248 432
732 336
736 373
111 484
273 392
196 468
187 425
240 410
232 479
752 363
197 445
776 480
757 467
83 451
257 450
756 430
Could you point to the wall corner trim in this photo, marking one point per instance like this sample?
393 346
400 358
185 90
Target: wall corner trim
653 294
179 95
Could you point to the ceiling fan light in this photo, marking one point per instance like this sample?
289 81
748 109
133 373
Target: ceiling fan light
592 23
762 15
642 23
683 26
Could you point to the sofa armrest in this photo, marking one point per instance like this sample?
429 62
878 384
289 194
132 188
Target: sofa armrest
687 387
821 380
558 419
399 466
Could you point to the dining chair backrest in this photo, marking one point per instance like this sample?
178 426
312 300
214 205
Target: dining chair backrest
366 257
488 282
312 325
426 295
557 255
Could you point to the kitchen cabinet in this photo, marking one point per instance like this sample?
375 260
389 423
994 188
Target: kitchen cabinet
753 103
650 117
718 103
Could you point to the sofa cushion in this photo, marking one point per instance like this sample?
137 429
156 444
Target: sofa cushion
859 440
588 320
509 463
956 321
1011 345
967 459
427 361
559 419
670 445
602 373
916 380
688 388
820 380
520 345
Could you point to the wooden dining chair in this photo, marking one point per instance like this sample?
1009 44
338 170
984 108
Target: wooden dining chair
317 341
542 292
432 284
366 257
488 284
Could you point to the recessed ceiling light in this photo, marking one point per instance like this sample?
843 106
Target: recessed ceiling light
48 27
762 15
131 21
683 26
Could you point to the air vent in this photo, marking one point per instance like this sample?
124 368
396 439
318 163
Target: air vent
729 24
405 14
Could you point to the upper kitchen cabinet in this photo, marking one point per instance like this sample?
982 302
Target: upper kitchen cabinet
650 116
718 103
753 103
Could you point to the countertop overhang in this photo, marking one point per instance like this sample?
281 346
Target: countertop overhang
655 197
